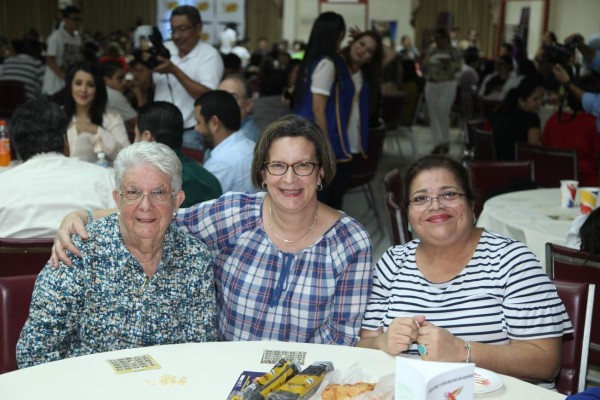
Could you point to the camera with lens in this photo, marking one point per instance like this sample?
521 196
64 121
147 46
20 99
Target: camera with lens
157 49
562 53
559 53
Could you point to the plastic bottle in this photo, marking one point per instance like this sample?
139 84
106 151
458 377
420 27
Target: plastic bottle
4 145
102 160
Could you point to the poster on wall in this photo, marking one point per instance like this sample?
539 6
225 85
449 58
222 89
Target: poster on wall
215 15
387 30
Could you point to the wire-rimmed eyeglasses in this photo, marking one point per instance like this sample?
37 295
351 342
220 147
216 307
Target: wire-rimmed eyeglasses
157 196
180 29
446 198
302 168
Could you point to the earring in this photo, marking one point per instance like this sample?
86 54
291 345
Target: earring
264 185
319 187
174 214
409 228
474 220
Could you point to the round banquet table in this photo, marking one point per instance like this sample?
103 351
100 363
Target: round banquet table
200 371
533 217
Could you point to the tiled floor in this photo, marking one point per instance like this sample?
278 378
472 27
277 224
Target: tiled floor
355 202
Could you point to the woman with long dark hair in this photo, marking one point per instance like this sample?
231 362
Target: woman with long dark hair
93 129
333 89
517 118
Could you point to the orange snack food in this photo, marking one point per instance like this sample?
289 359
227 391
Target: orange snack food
344 392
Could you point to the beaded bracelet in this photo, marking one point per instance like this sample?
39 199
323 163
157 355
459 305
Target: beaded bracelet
468 347
89 215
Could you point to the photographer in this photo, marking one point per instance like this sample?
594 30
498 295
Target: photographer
193 68
590 101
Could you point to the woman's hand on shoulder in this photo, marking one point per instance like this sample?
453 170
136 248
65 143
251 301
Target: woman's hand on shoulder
441 344
74 222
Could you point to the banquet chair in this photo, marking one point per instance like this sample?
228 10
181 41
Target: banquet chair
578 298
484 148
393 187
366 169
15 298
552 164
12 95
391 113
24 256
489 178
577 266
194 154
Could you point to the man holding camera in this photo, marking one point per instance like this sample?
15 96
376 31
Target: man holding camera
193 69
590 101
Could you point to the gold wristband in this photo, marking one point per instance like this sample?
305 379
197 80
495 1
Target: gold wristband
468 347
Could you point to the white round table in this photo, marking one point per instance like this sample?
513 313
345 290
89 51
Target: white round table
533 217
204 371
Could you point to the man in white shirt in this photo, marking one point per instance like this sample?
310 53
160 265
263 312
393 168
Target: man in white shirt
194 68
218 121
64 45
38 193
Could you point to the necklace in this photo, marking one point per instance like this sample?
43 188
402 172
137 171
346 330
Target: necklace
301 236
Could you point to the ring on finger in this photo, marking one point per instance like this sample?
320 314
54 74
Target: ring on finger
422 349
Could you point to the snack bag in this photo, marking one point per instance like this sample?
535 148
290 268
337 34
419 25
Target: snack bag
272 380
304 385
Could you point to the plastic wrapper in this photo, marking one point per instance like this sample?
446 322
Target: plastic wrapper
272 380
384 388
303 385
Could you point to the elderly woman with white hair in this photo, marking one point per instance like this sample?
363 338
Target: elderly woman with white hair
139 281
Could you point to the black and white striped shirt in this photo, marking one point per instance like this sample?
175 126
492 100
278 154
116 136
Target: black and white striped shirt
503 293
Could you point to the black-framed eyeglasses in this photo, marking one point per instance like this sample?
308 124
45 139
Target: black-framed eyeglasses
180 29
302 168
76 19
157 196
446 198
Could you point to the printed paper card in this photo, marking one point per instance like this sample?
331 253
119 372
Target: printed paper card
431 380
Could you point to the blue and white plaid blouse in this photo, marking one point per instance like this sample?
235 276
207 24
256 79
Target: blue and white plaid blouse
318 295
104 302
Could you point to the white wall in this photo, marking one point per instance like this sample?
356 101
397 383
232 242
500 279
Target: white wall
570 16
299 15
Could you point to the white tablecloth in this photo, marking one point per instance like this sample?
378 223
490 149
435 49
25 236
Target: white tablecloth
533 217
210 371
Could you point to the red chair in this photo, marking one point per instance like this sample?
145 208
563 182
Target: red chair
578 298
577 266
366 169
393 187
484 148
552 164
24 256
15 298
194 154
488 178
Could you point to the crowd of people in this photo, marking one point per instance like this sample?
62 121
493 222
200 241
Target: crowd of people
251 243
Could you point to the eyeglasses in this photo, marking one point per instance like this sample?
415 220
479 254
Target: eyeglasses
180 29
76 19
158 196
446 198
302 168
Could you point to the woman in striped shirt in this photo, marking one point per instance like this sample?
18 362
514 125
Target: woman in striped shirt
460 293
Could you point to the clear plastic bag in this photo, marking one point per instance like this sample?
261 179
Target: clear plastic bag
384 388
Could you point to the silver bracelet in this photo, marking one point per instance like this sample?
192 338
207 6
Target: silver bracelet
89 215
468 347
